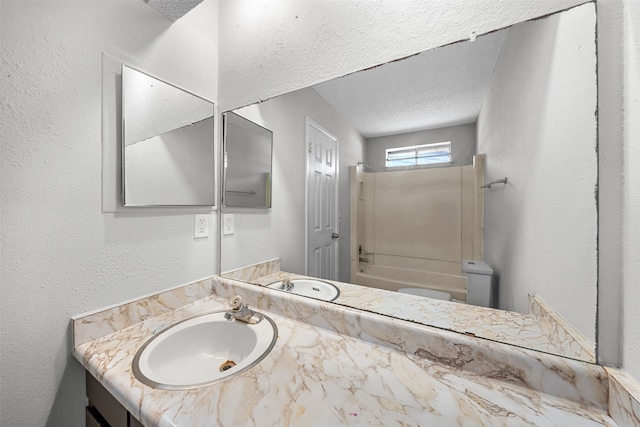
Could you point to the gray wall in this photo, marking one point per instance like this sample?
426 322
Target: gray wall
462 137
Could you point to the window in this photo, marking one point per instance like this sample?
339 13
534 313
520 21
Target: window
418 155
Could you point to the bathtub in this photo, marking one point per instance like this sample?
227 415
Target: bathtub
394 278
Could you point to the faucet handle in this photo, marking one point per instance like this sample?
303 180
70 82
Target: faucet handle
236 302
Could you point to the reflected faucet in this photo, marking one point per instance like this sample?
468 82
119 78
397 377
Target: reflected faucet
242 312
287 285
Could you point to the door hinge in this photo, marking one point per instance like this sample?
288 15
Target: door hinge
311 147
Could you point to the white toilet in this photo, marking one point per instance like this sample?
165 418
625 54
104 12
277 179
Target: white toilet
429 293
481 289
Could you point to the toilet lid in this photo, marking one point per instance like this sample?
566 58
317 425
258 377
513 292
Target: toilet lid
429 293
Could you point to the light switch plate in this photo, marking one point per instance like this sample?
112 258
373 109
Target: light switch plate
227 224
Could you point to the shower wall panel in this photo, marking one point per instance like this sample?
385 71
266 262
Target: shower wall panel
418 213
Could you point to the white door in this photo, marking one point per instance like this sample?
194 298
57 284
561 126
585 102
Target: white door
322 202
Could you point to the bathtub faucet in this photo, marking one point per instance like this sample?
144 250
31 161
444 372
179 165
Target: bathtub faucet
360 252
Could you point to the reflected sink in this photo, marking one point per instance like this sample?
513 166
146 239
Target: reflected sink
308 288
203 350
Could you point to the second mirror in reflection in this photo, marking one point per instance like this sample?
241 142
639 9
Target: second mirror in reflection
247 163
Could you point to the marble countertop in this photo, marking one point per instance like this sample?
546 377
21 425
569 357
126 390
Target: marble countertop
509 327
315 376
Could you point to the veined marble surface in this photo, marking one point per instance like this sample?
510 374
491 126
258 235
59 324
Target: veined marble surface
315 376
565 338
255 271
624 398
104 321
522 330
562 377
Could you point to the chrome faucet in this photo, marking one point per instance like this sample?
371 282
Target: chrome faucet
287 285
242 312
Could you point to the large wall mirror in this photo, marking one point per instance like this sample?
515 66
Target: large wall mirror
519 103
167 144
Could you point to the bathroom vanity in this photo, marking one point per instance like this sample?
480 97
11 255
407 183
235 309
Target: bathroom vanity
334 365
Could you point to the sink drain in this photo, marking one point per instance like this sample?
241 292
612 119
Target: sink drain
227 365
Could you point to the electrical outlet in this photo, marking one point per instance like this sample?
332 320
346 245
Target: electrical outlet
227 224
201 226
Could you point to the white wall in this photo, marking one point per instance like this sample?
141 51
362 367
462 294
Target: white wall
462 137
270 48
60 255
280 232
537 127
631 230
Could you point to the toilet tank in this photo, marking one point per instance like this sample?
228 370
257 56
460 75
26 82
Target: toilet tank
480 283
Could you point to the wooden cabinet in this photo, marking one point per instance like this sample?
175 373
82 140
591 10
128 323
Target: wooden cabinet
104 410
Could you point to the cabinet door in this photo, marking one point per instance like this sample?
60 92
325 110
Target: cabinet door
113 412
94 419
133 422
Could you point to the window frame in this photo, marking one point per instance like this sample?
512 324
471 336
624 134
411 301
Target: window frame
416 157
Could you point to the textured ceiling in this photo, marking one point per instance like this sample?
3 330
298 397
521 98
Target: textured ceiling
173 9
440 87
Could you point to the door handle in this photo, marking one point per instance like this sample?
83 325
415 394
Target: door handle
334 235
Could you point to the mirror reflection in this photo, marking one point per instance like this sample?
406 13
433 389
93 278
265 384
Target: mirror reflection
247 163
168 154
507 218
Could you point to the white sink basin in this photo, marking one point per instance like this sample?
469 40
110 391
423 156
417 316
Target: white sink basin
203 350
308 288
